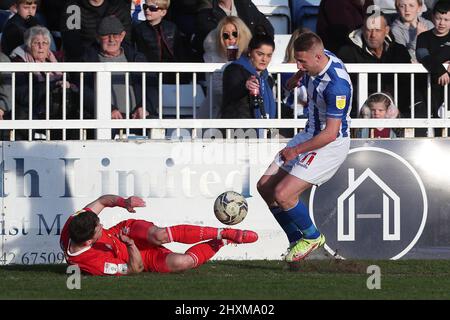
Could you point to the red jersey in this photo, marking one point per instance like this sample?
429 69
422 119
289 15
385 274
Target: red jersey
107 256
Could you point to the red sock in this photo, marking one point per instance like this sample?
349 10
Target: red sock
186 233
202 252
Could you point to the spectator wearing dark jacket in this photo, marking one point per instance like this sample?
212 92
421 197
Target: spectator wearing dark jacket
373 44
334 27
183 13
433 50
37 50
7 10
52 10
4 95
15 27
208 19
160 41
80 20
111 48
7 4
157 38
245 75
5 100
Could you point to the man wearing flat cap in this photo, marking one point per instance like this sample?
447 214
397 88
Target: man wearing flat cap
111 48
80 22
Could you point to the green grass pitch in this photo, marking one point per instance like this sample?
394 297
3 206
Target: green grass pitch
240 280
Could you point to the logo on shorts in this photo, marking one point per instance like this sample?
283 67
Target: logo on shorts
340 102
307 159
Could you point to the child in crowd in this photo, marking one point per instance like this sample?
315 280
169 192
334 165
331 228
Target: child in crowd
409 24
15 27
433 50
157 38
379 105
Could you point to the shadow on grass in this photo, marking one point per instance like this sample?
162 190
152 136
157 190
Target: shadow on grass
249 264
308 266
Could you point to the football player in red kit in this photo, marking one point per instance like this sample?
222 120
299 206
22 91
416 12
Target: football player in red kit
133 246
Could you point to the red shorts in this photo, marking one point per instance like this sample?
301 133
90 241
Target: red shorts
154 257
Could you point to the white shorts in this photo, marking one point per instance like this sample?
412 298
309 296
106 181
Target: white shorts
317 166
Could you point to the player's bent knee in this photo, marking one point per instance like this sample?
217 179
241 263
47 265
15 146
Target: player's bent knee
280 196
264 189
260 186
179 262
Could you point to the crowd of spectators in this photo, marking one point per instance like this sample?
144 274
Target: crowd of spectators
234 32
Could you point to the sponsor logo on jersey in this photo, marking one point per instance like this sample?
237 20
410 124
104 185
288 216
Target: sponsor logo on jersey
123 268
340 102
110 268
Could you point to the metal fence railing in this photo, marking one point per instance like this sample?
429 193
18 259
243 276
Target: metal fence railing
181 113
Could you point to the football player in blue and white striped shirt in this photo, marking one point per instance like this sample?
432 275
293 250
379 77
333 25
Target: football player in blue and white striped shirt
314 155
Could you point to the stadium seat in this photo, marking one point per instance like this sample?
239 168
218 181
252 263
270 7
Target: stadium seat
278 13
281 42
305 13
170 102
4 16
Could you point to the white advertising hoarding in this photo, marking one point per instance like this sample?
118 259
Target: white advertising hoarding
45 182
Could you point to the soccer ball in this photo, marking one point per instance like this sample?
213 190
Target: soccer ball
230 207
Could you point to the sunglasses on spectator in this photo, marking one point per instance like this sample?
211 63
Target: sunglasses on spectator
227 36
151 7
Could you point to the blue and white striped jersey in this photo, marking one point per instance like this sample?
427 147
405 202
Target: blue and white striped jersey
329 96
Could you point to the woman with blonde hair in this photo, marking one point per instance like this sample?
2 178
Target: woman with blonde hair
289 54
288 94
231 32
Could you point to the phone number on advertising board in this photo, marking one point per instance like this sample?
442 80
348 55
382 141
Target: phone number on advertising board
32 258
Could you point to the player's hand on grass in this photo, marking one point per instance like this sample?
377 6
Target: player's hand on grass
288 154
133 202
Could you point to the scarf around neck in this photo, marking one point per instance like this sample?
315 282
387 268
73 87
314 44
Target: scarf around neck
26 56
264 88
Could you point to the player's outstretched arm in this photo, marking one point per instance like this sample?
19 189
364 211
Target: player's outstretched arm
110 200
